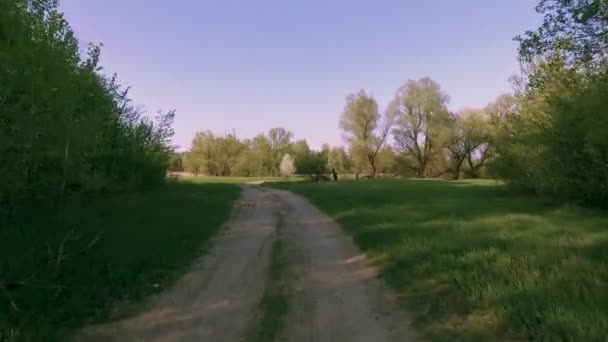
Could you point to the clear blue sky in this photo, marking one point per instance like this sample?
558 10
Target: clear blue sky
250 65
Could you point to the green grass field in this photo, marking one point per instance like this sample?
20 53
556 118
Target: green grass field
146 240
472 261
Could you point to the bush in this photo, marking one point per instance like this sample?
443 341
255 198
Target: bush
558 143
313 165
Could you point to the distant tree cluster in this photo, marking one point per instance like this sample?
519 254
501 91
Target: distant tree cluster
64 126
275 153
428 139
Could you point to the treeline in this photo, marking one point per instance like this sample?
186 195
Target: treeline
417 136
64 126
275 153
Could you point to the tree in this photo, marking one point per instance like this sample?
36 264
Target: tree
556 143
422 124
65 126
263 158
214 155
470 140
176 162
339 160
313 165
280 141
361 124
386 160
577 29
287 165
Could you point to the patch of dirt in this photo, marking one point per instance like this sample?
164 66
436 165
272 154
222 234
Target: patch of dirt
337 295
217 299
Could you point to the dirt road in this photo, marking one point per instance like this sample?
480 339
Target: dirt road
336 296
217 300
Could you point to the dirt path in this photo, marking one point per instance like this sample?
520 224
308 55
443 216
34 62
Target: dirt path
336 296
217 300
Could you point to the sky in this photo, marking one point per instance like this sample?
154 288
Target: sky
246 66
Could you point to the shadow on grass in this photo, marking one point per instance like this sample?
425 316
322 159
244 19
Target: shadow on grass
476 262
145 240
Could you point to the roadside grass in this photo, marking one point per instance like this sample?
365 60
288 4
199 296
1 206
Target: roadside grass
473 261
236 180
275 303
146 240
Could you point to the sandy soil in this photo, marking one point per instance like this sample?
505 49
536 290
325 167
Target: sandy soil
336 296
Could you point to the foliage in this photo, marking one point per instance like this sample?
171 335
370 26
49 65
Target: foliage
360 121
557 143
65 127
313 165
229 156
575 28
212 155
422 125
471 140
555 140
474 262
287 167
339 160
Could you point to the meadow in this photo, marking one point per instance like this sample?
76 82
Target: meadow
105 256
471 260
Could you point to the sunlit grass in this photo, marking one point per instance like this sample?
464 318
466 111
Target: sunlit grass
237 180
473 261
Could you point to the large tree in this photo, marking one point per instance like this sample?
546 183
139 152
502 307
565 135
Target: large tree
364 129
280 142
470 141
422 124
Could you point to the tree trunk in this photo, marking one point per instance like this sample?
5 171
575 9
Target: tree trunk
372 163
457 168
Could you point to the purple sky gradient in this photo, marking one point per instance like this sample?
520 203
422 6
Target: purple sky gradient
248 66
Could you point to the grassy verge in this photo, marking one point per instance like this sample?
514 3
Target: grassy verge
473 261
113 251
275 302
237 180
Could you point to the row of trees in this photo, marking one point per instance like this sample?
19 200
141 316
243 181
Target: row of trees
416 136
428 139
64 126
274 153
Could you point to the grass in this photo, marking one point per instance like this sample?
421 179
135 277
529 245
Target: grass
275 303
475 262
147 239
237 180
